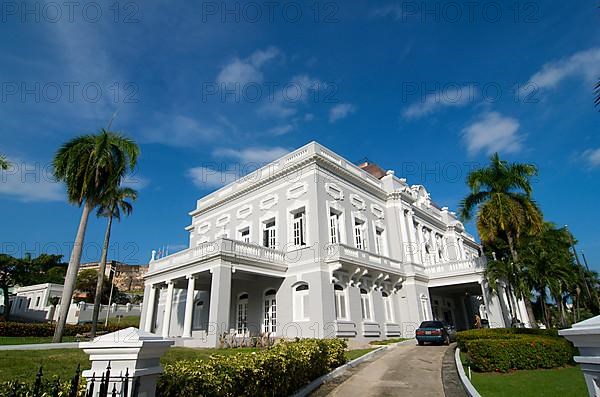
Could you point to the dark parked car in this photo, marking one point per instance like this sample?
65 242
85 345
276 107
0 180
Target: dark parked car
435 332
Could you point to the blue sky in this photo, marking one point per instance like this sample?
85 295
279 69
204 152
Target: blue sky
428 89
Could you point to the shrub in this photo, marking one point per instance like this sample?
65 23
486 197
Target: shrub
500 333
519 352
46 329
278 371
46 389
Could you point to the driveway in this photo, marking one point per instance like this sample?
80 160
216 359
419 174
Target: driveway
404 370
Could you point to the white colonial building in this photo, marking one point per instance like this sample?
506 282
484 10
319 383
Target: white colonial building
312 245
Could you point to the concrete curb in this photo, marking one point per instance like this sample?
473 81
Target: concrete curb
312 386
471 391
41 346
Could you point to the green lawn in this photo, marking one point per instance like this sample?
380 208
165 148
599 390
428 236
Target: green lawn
24 364
128 321
353 354
563 382
387 341
27 340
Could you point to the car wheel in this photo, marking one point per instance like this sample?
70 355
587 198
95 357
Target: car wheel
421 343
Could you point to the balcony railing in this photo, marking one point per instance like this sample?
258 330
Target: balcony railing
223 246
344 252
455 267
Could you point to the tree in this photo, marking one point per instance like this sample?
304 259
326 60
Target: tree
4 163
111 207
86 283
502 194
89 165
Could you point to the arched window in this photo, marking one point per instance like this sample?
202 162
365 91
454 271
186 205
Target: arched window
389 308
365 304
270 312
340 302
301 301
242 315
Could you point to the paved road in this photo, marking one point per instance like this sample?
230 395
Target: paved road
404 370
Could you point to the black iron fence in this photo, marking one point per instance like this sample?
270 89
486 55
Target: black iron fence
104 385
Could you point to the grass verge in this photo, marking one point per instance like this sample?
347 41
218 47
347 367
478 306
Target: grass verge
28 340
387 341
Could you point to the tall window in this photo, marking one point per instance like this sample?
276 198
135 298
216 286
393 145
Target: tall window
425 308
299 228
270 312
301 301
340 302
334 227
379 241
242 315
269 234
365 304
37 302
359 234
389 309
245 235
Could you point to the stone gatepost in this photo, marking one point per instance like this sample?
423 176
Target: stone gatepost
130 351
585 335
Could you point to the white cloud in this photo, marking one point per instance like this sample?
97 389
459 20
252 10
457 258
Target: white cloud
280 130
181 131
491 132
205 177
245 71
30 182
583 64
452 96
252 155
299 90
592 157
136 182
341 111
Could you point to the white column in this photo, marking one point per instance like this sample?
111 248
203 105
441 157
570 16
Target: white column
412 236
168 309
150 305
220 303
434 246
189 307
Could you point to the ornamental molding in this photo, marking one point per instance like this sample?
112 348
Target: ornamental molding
358 202
268 202
297 190
244 211
334 191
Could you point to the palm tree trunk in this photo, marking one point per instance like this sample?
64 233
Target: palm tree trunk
71 276
99 284
526 299
545 311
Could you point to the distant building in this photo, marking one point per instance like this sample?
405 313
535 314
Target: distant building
126 277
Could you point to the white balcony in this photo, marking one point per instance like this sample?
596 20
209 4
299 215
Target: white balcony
236 252
344 253
455 268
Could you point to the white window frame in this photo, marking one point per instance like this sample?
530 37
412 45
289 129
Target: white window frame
341 302
271 241
298 229
241 315
301 302
244 238
360 234
335 216
380 240
270 312
388 307
366 305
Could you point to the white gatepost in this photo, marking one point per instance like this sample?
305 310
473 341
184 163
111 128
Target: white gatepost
585 335
129 351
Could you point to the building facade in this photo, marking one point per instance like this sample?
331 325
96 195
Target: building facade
125 277
312 245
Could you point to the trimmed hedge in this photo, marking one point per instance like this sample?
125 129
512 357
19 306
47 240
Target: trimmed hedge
46 329
23 389
278 371
500 333
519 352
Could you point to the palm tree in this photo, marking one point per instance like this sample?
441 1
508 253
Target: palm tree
597 93
111 207
502 194
89 165
4 163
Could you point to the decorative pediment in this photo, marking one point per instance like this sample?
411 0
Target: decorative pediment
334 191
377 211
268 202
203 228
358 202
297 190
223 220
244 211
